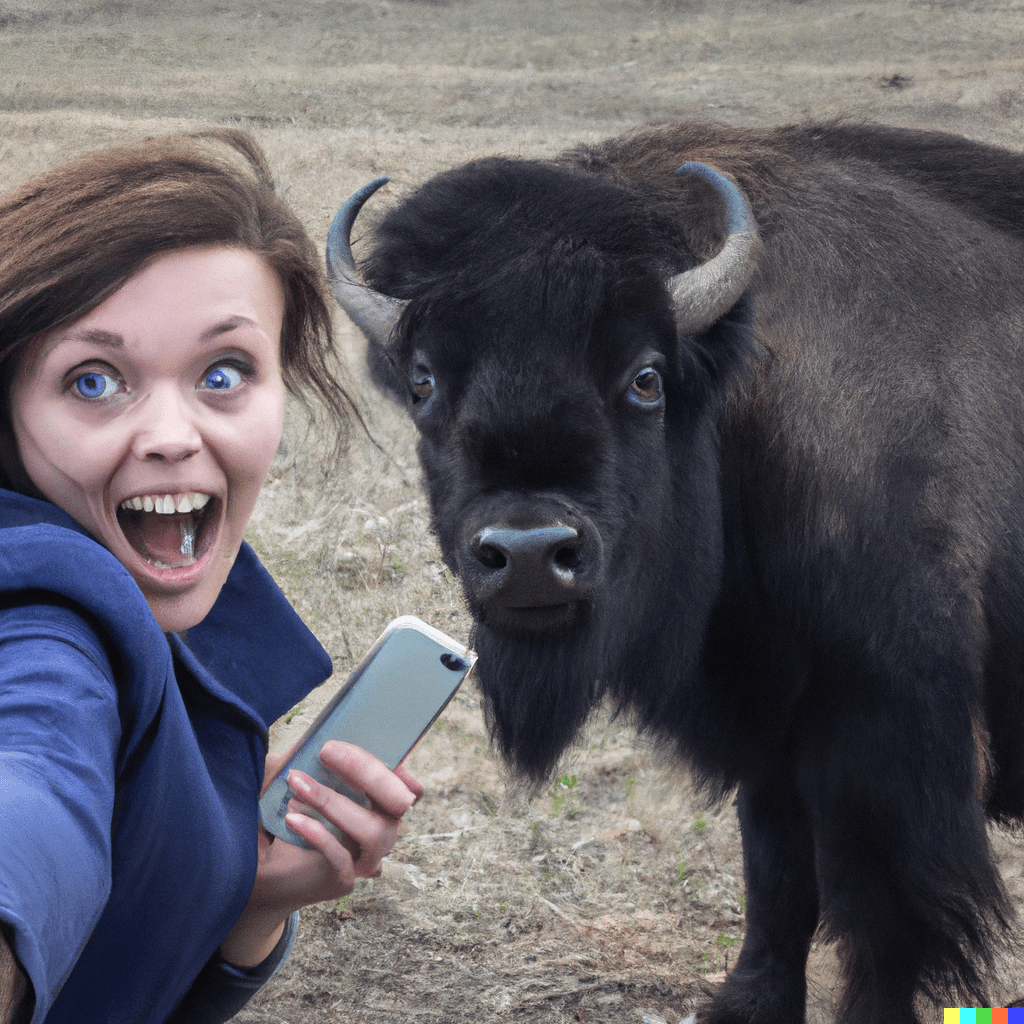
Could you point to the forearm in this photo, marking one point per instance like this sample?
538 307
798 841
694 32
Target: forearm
253 938
13 987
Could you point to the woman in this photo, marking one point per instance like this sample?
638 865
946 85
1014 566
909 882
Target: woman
156 302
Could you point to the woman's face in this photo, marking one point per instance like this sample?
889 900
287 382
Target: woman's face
153 420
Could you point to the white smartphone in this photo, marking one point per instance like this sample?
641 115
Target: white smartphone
388 702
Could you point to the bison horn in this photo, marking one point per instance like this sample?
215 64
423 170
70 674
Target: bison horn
374 313
705 293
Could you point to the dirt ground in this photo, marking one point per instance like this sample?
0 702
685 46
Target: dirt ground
612 894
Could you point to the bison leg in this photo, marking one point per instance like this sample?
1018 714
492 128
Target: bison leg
906 881
768 984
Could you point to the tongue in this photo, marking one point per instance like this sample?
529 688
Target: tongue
167 539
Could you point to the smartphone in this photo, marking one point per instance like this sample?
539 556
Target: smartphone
388 702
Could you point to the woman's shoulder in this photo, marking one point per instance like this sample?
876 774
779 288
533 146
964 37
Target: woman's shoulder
47 559
252 641
60 586
43 548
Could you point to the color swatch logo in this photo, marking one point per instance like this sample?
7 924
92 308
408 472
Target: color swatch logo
1012 1016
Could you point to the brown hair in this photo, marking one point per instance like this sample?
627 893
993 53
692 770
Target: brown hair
71 236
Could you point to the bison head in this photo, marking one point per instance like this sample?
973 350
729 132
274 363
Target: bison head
563 352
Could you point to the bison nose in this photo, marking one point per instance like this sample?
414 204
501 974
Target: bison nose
546 547
531 568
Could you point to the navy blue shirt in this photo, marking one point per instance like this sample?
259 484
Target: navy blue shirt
130 769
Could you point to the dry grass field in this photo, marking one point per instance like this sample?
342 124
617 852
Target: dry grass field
611 895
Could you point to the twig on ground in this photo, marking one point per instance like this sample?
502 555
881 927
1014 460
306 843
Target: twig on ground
445 835
561 913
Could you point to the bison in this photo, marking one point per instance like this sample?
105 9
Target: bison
727 425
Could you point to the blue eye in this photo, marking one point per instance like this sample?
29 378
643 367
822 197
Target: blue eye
222 378
96 385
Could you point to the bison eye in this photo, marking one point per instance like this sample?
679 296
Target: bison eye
422 384
646 387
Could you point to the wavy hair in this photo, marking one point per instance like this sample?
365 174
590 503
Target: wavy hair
71 236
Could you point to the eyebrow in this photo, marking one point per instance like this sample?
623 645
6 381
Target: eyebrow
111 339
231 323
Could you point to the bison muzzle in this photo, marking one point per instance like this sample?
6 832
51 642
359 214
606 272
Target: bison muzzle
728 426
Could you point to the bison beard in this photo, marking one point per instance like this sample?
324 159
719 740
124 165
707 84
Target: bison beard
539 692
788 398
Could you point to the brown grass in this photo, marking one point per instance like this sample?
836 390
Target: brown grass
615 896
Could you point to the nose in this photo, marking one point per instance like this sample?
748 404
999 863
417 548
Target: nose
167 429
535 567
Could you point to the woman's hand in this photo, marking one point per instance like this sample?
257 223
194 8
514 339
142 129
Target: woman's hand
289 877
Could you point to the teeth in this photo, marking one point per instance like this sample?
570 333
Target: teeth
165 504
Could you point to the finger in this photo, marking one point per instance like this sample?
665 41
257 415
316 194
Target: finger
296 806
411 782
340 860
359 825
363 772
369 833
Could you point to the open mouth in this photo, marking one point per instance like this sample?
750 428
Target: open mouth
167 530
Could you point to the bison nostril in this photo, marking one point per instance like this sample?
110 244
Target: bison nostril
568 558
489 556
